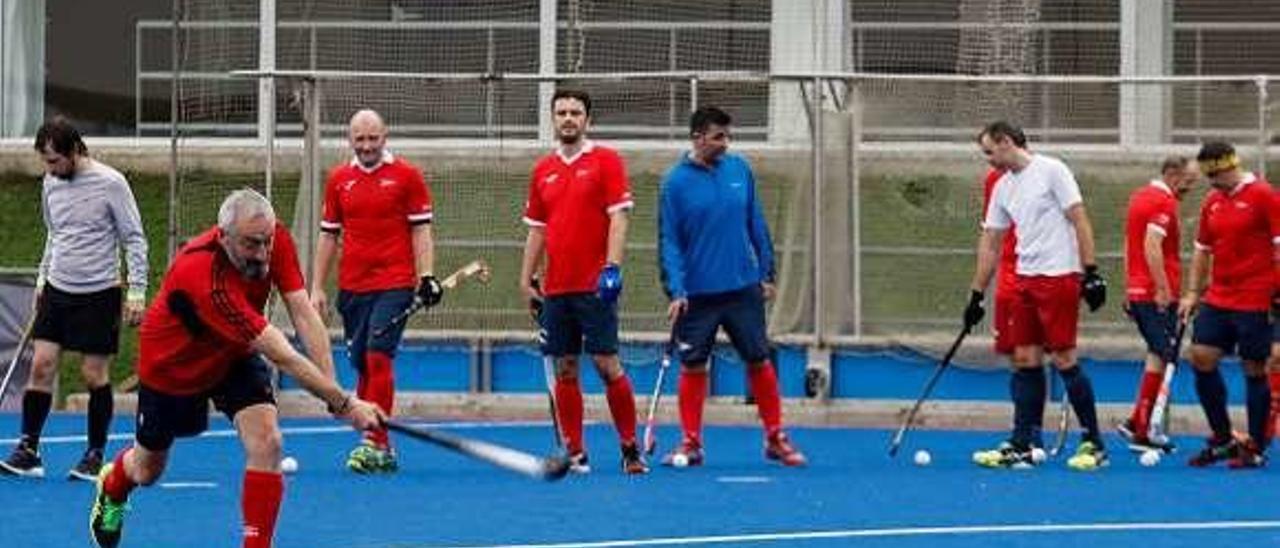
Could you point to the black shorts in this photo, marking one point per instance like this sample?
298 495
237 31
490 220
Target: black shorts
1158 326
569 319
1248 334
163 417
740 312
82 322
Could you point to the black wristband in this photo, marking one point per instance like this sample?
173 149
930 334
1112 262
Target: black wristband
1091 269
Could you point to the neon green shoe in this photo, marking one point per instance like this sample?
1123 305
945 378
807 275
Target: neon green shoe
367 458
1088 457
106 519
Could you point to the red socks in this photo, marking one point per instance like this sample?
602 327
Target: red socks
622 405
569 411
1148 391
378 382
260 506
764 386
693 393
117 485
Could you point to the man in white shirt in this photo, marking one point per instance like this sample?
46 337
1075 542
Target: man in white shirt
1040 196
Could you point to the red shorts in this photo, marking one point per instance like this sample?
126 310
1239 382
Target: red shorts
1046 311
1001 321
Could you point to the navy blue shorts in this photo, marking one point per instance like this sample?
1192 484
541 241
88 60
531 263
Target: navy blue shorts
1158 326
365 313
572 318
163 417
1248 333
740 312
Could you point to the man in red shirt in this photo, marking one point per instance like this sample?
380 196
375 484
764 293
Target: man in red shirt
1006 273
1154 275
1235 256
579 197
381 207
201 341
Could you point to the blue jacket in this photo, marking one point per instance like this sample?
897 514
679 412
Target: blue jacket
712 235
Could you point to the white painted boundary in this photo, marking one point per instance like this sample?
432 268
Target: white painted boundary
911 532
301 430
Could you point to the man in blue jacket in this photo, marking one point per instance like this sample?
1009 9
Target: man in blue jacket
717 269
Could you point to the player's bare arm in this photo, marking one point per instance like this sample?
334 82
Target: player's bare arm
1153 252
272 343
1197 277
310 327
534 244
618 222
1084 234
326 250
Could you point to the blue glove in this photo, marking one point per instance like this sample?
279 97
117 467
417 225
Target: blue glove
610 284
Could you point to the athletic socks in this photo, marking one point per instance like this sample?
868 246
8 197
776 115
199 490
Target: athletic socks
380 389
260 506
622 406
101 406
1080 393
1273 379
1258 405
35 409
693 393
1148 391
1027 388
764 386
1212 392
117 484
569 410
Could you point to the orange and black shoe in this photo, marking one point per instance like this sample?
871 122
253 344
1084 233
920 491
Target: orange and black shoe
778 447
1216 449
632 462
1249 455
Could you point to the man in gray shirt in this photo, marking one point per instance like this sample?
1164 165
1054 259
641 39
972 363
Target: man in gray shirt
89 215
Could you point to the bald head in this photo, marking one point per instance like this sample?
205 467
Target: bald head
368 136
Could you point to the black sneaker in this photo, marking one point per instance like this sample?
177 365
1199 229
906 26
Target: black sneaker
632 462
1216 450
24 461
1141 442
88 467
579 464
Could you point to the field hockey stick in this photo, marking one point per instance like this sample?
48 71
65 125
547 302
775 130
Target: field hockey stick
650 421
1064 416
548 363
549 468
896 442
1158 429
21 349
475 269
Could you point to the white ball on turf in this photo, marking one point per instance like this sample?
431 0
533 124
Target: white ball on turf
289 465
923 458
679 460
1149 458
1038 455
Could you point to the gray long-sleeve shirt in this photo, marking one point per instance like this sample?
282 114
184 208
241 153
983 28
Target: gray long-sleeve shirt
87 219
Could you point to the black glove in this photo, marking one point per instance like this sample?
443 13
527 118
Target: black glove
430 291
535 303
974 312
1093 289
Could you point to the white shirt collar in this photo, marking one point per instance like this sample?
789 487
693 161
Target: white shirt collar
1160 185
387 158
1249 178
587 146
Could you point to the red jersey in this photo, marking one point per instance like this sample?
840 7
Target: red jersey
1007 269
376 210
1240 229
573 198
1154 207
224 314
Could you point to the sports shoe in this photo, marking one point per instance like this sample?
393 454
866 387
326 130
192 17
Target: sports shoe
1089 457
1215 449
88 467
106 518
1005 455
632 462
1141 442
579 464
1249 455
23 461
778 447
689 450
368 458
